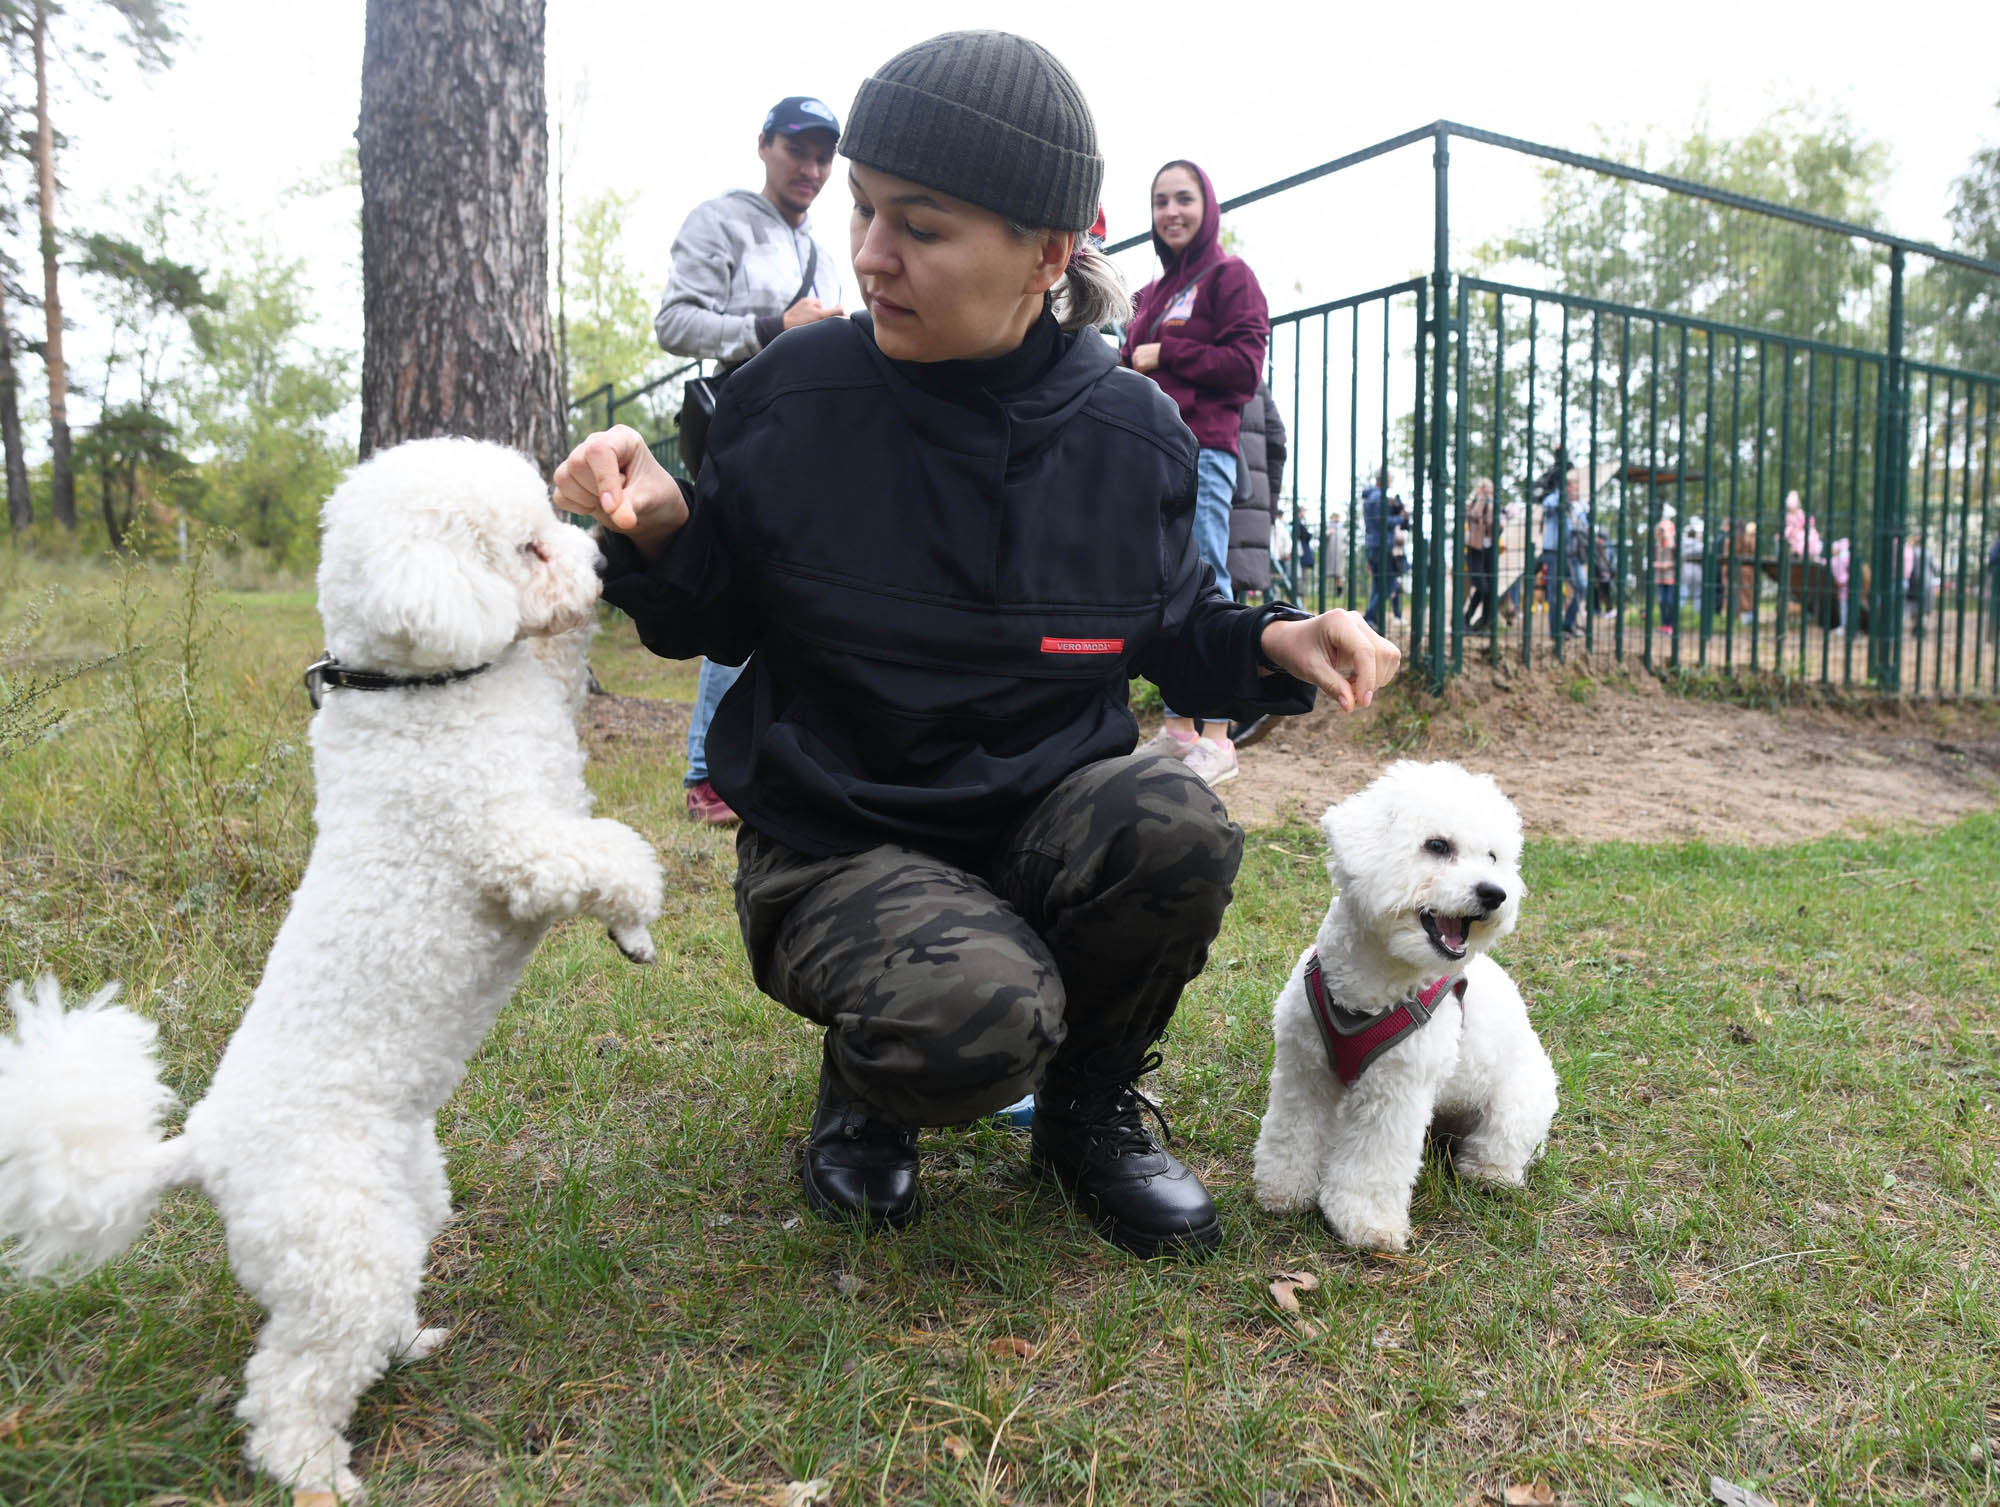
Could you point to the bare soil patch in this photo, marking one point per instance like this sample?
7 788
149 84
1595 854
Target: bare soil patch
1589 758
1620 758
609 719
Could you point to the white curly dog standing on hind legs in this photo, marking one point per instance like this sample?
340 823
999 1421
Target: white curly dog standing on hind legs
453 828
1395 1019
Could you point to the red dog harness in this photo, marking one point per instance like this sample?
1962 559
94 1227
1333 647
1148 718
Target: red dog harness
1353 1040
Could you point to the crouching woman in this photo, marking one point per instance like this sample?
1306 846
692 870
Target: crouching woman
945 534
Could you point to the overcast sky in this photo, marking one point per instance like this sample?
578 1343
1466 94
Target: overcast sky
664 101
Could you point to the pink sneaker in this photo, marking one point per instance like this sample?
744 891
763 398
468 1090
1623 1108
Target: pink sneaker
1172 745
1213 760
708 808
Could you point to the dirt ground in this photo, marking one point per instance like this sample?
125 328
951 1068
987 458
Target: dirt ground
1612 758
1621 759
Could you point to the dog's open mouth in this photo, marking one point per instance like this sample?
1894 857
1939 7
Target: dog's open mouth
1447 933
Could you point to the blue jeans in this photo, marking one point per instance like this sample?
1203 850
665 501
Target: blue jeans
1214 491
1563 579
713 681
1385 586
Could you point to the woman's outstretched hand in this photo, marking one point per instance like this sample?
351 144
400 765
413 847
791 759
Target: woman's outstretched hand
1337 651
613 478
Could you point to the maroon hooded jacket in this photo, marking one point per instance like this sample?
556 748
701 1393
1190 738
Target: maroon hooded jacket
1208 316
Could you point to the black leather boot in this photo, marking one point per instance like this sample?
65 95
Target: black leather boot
1091 1134
858 1165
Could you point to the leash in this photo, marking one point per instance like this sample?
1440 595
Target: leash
1354 1039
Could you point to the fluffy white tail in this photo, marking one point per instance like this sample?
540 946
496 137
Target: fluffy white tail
81 1160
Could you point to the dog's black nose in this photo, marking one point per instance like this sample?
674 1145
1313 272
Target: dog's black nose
1491 896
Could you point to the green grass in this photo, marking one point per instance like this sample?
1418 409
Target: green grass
1763 1244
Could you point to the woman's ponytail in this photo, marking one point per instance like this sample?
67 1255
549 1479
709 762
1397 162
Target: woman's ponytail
1091 293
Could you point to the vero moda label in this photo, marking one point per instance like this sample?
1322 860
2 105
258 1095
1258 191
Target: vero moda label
1083 646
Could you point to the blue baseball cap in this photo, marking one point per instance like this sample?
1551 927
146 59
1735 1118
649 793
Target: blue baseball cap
799 112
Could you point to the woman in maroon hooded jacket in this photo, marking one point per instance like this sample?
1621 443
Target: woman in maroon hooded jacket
1200 330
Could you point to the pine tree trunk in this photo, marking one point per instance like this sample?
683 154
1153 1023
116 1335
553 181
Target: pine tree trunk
454 226
20 501
562 284
111 528
62 485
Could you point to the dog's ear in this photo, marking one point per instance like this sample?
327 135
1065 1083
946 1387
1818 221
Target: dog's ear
435 604
1335 823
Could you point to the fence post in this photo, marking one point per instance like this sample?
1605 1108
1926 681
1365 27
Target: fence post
1418 513
1459 582
1439 604
1885 638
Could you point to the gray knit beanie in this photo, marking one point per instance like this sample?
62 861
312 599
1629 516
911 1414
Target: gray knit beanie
987 117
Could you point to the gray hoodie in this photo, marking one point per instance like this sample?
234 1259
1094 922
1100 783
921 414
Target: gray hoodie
737 266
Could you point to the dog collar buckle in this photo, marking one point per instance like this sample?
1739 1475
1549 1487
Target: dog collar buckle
1354 1039
315 679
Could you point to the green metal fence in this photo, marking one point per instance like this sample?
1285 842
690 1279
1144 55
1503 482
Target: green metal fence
1952 516
1708 428
666 442
1338 373
1884 574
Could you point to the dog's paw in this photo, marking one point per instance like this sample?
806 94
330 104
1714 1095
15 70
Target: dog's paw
1280 1195
347 1492
1283 1201
1390 1242
630 868
421 1346
635 942
1368 1228
1476 1168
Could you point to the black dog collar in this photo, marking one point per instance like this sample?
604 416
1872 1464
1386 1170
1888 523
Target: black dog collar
328 674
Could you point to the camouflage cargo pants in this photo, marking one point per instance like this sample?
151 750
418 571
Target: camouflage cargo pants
947 993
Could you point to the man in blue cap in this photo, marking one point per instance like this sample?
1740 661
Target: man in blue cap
746 269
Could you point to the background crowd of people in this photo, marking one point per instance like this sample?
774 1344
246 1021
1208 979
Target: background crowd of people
746 267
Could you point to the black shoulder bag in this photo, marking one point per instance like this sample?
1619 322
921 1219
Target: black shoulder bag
699 395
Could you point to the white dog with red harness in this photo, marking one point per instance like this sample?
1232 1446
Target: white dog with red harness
1395 1019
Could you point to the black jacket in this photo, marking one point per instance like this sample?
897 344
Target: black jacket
946 590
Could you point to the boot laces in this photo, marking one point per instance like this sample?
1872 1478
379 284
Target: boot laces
1110 1105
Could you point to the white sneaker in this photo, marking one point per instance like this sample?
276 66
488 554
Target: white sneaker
1164 742
1214 761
